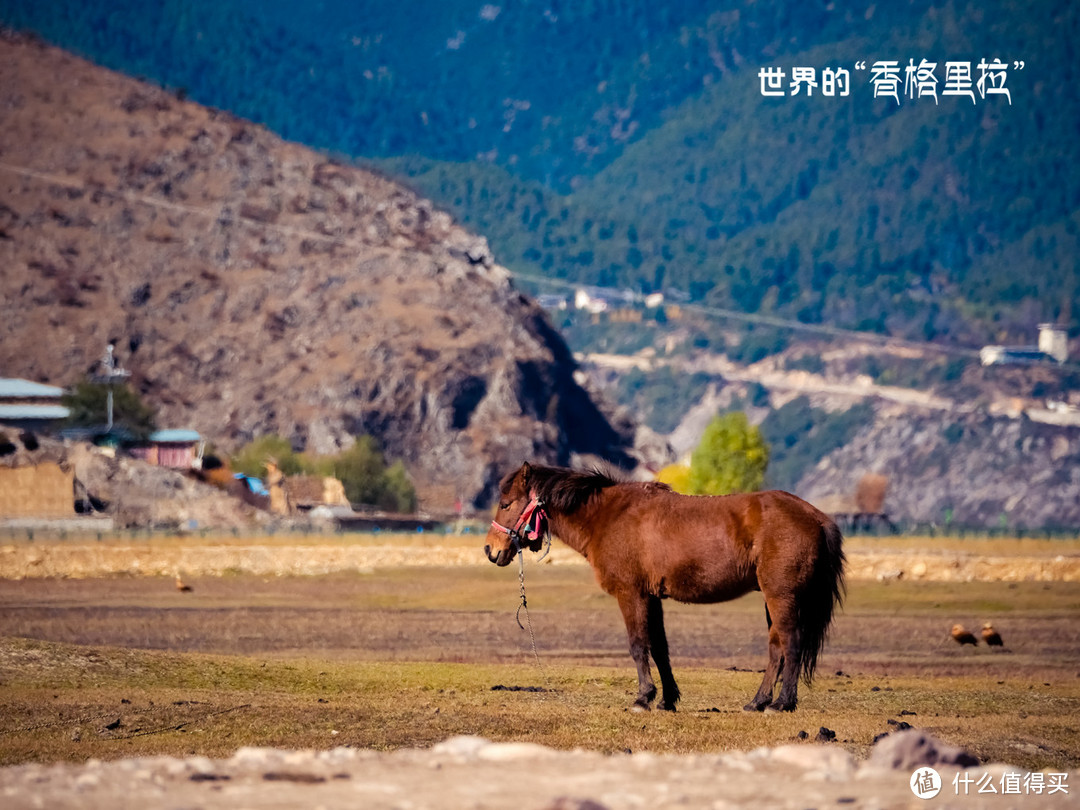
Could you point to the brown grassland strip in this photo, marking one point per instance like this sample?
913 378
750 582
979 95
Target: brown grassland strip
124 666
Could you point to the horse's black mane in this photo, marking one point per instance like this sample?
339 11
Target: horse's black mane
566 490
562 489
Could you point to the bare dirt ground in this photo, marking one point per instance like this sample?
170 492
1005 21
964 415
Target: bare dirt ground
374 681
468 615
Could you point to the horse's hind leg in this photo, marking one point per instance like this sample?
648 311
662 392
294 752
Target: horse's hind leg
772 669
635 615
784 656
659 646
789 688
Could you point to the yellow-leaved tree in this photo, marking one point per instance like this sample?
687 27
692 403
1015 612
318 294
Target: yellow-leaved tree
732 457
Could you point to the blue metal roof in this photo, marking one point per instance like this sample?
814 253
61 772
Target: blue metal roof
33 412
175 435
14 388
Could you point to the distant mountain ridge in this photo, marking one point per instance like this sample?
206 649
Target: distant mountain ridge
627 143
919 220
252 286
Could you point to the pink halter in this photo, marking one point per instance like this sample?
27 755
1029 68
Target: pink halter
532 524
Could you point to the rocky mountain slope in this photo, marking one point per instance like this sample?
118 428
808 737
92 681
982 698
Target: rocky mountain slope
979 449
961 468
253 286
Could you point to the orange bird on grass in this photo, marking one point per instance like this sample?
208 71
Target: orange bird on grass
991 636
963 636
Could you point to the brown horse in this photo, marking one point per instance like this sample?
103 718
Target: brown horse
647 543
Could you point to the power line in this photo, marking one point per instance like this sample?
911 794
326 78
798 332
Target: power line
818 329
787 323
207 213
830 331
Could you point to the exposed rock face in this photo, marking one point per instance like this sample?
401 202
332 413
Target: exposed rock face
971 469
252 287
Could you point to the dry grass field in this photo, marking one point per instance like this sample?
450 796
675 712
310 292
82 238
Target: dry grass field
402 655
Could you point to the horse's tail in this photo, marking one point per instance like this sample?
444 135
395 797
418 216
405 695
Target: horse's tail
824 594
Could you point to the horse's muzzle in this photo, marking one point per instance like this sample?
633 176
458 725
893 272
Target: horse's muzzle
503 557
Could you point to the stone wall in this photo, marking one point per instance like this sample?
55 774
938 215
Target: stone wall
44 490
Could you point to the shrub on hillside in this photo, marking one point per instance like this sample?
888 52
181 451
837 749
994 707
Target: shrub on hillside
362 470
88 404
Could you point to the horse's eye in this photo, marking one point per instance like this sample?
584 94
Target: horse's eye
504 505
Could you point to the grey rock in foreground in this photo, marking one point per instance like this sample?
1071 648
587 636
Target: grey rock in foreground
907 750
471 772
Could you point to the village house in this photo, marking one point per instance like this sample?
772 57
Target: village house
176 448
31 406
1053 346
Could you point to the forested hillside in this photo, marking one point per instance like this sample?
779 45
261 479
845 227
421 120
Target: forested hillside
951 221
628 143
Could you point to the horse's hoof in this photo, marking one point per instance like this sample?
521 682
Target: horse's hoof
776 707
641 707
664 707
753 707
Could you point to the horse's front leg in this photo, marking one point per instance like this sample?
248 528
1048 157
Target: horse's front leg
635 614
659 646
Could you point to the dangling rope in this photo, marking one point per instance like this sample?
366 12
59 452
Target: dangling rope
532 524
528 619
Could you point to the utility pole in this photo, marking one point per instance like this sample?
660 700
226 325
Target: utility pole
111 374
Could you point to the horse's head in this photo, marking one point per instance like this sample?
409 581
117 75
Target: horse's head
520 520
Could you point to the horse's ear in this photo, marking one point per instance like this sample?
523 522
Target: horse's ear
526 471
